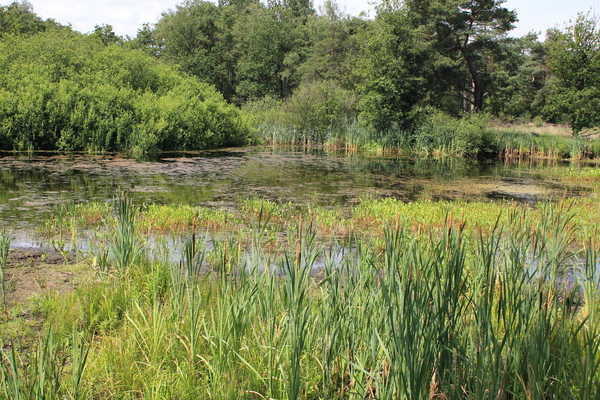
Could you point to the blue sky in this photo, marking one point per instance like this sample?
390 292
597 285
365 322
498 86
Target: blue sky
126 16
540 15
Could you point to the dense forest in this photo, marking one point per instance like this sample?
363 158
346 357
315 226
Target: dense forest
240 71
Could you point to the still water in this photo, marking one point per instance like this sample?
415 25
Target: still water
32 185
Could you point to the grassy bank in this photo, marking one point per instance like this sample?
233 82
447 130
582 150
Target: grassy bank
409 301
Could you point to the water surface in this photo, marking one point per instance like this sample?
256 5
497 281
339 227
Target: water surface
32 185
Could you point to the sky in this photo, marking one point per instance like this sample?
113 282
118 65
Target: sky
127 16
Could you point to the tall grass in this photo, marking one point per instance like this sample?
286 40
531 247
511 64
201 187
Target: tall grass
4 246
126 246
39 373
512 144
436 135
439 311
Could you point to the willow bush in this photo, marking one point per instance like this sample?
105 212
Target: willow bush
63 91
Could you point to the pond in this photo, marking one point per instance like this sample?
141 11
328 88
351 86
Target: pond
32 185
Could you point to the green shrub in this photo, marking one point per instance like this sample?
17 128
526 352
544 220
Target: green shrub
62 91
319 106
444 134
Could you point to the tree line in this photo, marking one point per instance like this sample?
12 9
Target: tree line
283 62
456 56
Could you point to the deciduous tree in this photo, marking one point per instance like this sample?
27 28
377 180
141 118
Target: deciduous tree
574 60
18 18
389 70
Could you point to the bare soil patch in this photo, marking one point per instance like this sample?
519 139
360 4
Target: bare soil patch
32 272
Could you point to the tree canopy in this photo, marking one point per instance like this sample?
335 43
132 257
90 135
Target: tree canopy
180 82
574 60
18 18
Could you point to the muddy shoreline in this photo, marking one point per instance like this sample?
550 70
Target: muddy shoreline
31 272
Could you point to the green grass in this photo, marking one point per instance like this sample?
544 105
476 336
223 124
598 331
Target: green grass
4 246
440 136
419 300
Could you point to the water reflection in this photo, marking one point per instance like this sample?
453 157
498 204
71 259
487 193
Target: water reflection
33 184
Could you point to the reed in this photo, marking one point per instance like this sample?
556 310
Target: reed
505 309
36 374
437 135
4 247
126 247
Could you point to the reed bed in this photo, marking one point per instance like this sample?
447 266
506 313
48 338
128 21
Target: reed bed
466 138
171 226
414 311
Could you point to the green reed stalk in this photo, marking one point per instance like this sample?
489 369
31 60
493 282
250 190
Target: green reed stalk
409 346
4 246
125 246
39 377
193 254
296 302
10 374
80 356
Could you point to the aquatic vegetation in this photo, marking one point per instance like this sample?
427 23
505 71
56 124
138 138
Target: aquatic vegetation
180 218
519 144
4 246
437 135
126 246
70 217
416 300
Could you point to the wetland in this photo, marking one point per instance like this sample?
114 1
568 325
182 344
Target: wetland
34 185
295 274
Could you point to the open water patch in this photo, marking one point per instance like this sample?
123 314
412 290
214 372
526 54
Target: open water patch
33 185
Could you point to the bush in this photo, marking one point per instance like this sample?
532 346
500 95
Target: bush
64 91
442 134
320 106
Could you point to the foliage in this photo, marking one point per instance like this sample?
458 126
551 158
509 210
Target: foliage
520 89
335 47
449 54
574 59
18 18
390 86
440 133
423 305
318 106
191 37
105 34
270 50
244 48
466 40
61 90
306 77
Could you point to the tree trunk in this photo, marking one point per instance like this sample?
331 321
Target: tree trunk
478 93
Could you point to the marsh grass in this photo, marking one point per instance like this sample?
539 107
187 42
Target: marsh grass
439 136
126 246
519 145
35 374
423 300
4 247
